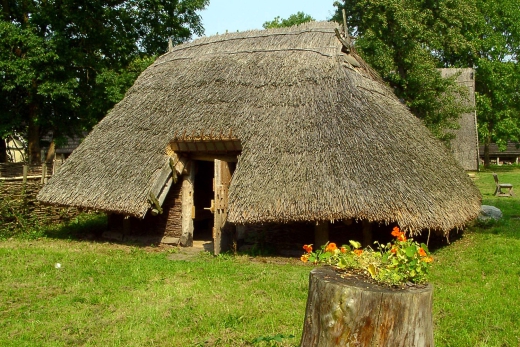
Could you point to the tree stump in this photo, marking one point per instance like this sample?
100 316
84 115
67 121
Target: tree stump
353 311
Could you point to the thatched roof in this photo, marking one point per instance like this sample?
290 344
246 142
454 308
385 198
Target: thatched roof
321 139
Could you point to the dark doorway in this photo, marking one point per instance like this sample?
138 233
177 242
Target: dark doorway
203 194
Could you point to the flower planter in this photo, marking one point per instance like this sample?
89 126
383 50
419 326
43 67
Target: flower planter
354 311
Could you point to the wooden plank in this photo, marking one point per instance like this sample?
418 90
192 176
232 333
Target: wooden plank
20 178
170 240
162 178
222 235
230 158
165 190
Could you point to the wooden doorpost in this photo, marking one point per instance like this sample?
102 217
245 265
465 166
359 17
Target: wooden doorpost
187 206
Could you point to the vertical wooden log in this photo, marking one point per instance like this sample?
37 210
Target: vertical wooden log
25 169
321 234
367 233
188 181
56 165
353 312
44 173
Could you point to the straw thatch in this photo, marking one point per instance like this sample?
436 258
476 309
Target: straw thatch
321 139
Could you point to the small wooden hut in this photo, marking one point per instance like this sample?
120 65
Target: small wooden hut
274 126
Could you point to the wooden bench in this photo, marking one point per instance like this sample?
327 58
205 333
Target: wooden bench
500 186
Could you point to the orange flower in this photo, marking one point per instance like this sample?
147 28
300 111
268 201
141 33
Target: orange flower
307 248
304 258
331 247
393 250
422 253
396 232
343 250
358 252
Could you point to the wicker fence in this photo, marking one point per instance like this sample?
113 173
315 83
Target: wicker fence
19 185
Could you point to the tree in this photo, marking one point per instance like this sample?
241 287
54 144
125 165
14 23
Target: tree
64 63
498 74
405 41
401 40
294 19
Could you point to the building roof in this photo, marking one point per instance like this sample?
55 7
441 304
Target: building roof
321 137
512 150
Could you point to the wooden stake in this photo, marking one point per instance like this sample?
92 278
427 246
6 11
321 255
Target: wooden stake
44 173
25 170
321 234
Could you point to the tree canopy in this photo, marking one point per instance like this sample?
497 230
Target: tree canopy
64 63
406 41
294 19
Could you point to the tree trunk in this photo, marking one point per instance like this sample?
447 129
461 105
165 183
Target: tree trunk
487 161
33 137
353 312
51 153
3 151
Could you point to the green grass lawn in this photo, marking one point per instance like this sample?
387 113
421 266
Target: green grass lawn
106 294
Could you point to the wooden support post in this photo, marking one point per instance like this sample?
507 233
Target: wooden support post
44 173
56 166
25 170
321 234
188 181
367 233
24 179
349 311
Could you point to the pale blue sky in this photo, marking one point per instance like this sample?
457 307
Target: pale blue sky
233 15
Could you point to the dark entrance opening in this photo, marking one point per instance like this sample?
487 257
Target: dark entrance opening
203 194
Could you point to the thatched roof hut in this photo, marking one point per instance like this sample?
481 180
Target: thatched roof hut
318 137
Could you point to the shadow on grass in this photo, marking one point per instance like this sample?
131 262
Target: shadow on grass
86 226
89 227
